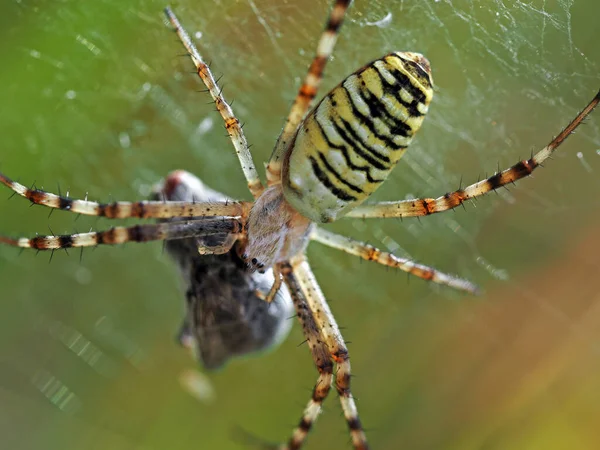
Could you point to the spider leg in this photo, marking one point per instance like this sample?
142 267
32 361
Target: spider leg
371 253
308 89
125 210
321 357
137 233
522 169
232 124
270 296
222 247
331 336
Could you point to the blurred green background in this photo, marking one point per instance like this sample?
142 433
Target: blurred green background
96 98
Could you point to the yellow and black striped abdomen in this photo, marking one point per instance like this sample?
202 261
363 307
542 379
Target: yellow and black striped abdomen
348 144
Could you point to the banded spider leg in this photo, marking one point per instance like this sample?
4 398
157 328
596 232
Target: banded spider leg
309 87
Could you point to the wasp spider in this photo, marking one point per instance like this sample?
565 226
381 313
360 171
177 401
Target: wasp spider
325 164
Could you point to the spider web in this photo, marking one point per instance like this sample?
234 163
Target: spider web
97 99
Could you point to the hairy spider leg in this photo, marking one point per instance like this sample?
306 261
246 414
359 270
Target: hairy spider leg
127 210
320 354
308 89
232 124
337 350
136 233
370 253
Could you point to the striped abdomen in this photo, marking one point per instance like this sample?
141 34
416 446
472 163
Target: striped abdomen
348 144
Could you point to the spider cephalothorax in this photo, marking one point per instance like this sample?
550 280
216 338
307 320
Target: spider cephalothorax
275 230
325 164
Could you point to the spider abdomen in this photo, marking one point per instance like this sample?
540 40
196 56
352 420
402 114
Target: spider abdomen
348 144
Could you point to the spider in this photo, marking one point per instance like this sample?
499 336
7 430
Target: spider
324 165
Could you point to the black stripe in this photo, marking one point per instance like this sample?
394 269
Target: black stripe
378 108
328 184
495 181
524 168
331 169
334 26
136 234
356 149
65 241
393 89
371 125
344 150
375 107
354 424
304 425
65 203
354 135
416 67
425 205
404 80
397 125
